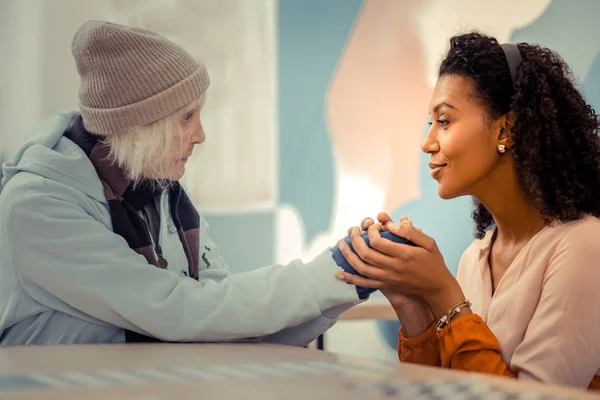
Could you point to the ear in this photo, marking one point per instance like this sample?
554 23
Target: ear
504 126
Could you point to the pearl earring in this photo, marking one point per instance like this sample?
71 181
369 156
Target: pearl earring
501 148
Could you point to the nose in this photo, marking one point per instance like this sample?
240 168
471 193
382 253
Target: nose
198 136
430 145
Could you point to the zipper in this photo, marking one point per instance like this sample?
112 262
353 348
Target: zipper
161 261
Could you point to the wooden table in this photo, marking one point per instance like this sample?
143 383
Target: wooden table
221 371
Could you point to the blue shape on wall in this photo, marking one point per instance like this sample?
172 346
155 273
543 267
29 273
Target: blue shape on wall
568 27
312 36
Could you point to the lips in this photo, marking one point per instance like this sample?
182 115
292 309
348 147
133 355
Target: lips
436 169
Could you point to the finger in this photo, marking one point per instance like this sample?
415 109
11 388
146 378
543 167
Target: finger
369 256
415 235
377 227
359 280
384 218
373 234
404 220
396 253
365 223
359 265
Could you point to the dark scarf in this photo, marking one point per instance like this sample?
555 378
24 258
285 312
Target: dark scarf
125 202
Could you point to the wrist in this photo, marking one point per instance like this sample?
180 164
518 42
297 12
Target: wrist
405 307
446 298
414 317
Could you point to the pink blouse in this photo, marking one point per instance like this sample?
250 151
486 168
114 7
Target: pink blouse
545 312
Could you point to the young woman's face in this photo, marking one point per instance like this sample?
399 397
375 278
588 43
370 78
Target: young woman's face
462 140
192 134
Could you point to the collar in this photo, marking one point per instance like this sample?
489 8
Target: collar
485 244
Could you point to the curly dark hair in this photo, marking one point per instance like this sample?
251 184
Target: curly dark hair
556 149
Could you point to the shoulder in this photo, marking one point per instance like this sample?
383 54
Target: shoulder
572 232
23 185
26 185
579 239
29 196
568 250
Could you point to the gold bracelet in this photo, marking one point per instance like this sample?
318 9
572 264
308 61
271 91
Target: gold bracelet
451 313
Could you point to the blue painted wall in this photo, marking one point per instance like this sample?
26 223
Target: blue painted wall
312 35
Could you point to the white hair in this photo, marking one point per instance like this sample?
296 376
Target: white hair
145 152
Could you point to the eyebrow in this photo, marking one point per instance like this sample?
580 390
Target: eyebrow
443 104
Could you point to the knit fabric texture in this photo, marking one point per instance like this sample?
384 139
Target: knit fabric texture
132 77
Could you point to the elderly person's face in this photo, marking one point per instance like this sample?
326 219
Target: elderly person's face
192 134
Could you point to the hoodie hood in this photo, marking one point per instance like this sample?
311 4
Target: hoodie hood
49 154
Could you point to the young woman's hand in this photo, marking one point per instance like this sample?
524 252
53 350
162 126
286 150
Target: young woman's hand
412 311
401 271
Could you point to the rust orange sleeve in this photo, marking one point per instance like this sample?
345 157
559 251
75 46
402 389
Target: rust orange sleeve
467 344
422 349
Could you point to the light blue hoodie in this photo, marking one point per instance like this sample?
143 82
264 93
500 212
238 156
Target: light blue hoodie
65 277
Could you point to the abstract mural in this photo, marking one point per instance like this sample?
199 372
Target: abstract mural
316 111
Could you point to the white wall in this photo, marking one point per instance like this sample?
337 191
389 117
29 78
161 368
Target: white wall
37 73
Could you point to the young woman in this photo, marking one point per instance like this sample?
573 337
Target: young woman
508 127
98 241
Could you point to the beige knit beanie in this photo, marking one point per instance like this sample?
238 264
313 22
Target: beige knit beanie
132 77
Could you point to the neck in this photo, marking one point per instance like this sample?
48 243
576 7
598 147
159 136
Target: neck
515 215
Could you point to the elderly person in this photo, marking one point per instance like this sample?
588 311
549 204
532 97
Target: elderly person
100 243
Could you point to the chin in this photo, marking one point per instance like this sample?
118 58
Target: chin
447 193
177 175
